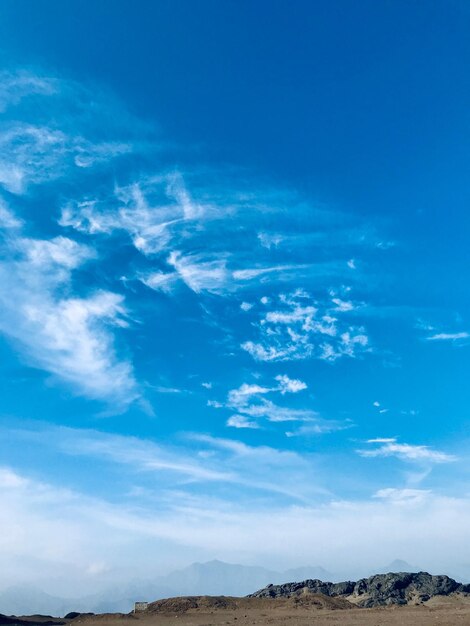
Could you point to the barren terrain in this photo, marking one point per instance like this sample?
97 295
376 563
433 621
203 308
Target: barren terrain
317 611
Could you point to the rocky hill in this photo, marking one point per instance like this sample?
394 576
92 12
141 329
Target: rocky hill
379 590
304 600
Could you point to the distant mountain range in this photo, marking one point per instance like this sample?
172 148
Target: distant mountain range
398 566
211 578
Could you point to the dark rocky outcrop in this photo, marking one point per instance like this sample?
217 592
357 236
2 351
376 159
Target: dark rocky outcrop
379 590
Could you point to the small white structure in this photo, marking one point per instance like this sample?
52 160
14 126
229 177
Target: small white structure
140 606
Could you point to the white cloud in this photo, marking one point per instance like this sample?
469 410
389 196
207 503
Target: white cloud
297 329
66 336
250 402
270 240
265 353
406 452
380 409
318 427
14 86
200 274
342 305
161 281
382 440
69 339
11 480
246 306
252 273
8 220
245 392
241 421
385 245
159 215
298 314
177 190
29 155
51 254
290 385
32 155
65 135
449 336
203 459
262 467
203 273
147 220
142 455
167 222
402 495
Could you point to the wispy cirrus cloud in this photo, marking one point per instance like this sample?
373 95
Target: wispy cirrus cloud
65 335
149 211
199 235
254 464
382 440
453 337
197 459
32 155
201 273
403 495
53 129
141 455
435 334
8 220
190 230
14 86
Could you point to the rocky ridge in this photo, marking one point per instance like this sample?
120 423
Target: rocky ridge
380 590
227 603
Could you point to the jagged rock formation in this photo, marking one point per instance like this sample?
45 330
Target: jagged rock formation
379 590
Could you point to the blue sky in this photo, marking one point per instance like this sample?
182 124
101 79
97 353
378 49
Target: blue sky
234 246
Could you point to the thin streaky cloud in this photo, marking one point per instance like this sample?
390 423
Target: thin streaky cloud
407 452
15 86
449 336
382 440
249 274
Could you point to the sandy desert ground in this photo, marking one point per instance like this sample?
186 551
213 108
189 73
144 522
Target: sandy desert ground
443 611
